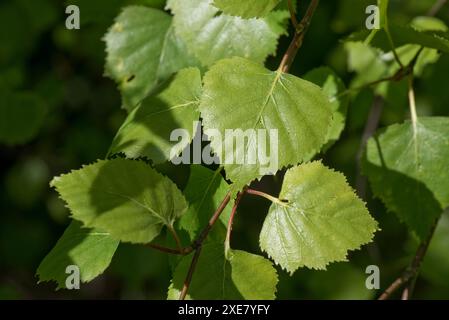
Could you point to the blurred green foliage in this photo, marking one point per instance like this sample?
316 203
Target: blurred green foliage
69 113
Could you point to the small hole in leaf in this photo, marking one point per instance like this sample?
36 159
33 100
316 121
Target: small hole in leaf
219 13
131 78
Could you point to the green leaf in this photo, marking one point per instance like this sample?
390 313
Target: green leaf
242 95
428 56
147 130
332 86
21 116
205 191
372 64
89 249
424 23
283 5
409 173
198 23
240 276
143 50
246 9
320 219
403 35
366 61
126 198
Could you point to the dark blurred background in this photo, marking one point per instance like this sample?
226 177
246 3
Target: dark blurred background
72 113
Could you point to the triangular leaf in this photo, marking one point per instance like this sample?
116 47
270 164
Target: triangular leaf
243 95
88 249
197 22
240 276
319 222
409 171
246 9
143 50
126 198
147 130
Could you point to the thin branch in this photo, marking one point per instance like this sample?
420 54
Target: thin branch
408 291
393 48
370 128
366 85
231 220
361 183
409 275
398 283
398 76
178 251
198 243
291 8
300 32
439 4
189 276
203 235
417 261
